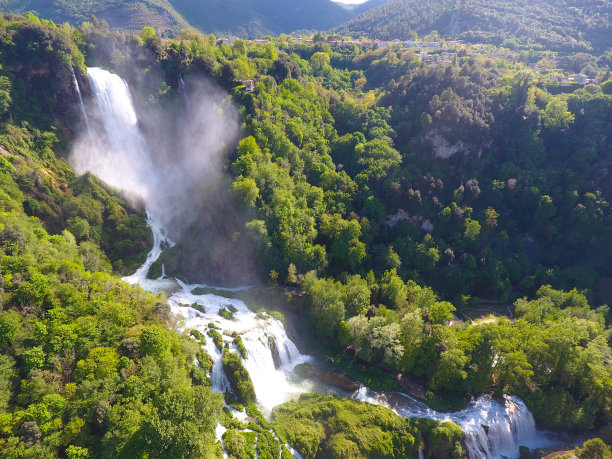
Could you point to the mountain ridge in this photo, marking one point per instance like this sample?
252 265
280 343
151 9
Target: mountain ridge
246 18
551 24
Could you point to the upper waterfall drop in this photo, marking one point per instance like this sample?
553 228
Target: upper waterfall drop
119 157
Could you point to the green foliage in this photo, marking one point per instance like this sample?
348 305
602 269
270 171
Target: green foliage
240 346
478 179
594 448
544 23
442 439
238 377
323 426
94 378
239 444
556 115
216 337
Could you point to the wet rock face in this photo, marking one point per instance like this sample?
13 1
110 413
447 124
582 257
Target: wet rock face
306 370
275 354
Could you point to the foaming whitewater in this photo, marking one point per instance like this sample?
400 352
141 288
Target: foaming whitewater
271 355
493 428
120 156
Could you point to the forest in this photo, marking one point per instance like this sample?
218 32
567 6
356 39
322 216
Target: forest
447 222
564 25
245 18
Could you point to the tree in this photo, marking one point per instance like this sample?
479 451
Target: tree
5 94
394 290
291 274
357 295
392 259
450 369
247 191
556 115
441 312
182 424
155 45
319 61
227 73
327 301
472 229
146 33
594 448
384 341
203 64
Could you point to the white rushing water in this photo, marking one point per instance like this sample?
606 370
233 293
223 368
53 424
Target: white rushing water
493 428
113 154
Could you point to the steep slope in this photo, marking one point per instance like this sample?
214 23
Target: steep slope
245 18
258 17
552 24
122 14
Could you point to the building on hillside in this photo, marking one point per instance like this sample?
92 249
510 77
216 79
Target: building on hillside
581 78
249 85
229 40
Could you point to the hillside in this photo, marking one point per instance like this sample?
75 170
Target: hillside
120 14
245 18
445 226
260 17
549 24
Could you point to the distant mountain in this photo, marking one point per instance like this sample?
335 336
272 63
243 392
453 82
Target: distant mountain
120 14
246 18
552 24
261 16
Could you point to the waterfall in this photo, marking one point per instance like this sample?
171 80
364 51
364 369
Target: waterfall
184 92
272 385
123 161
81 104
493 428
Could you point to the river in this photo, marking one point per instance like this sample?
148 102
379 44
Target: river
494 428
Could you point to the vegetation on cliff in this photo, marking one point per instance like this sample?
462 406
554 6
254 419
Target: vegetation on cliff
322 426
399 196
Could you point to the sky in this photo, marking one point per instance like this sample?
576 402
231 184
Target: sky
350 2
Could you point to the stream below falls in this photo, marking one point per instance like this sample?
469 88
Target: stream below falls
494 428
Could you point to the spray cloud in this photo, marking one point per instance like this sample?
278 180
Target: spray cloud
169 158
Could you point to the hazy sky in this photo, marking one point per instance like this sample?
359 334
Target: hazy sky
350 2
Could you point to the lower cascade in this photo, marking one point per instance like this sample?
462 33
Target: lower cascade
493 428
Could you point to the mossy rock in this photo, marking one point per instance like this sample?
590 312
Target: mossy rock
212 291
238 377
304 370
323 426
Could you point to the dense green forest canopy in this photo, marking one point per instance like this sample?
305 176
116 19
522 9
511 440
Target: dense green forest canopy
366 174
545 24
405 200
89 367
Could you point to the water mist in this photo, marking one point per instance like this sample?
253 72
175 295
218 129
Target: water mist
168 171
170 176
